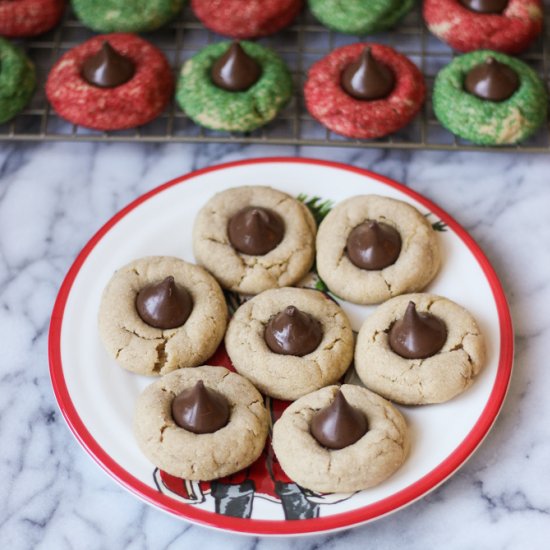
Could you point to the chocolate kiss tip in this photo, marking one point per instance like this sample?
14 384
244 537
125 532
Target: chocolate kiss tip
235 70
200 410
293 332
107 68
417 335
339 424
164 305
373 246
255 230
367 78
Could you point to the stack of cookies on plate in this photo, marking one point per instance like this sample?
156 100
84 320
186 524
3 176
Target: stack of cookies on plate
281 271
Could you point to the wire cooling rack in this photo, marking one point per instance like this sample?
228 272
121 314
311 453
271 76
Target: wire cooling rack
300 45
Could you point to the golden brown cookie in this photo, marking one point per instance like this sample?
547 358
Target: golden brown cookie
434 379
202 456
289 376
144 349
365 463
416 265
284 265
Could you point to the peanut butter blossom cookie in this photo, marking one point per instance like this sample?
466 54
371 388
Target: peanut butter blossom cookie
111 82
20 18
358 16
370 248
17 80
364 91
126 16
340 439
290 341
419 348
255 238
159 313
507 26
202 423
246 18
235 87
490 98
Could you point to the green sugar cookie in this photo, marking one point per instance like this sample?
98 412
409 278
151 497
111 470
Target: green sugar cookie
488 122
17 80
126 15
219 109
358 16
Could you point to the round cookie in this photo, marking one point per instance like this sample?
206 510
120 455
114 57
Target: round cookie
143 349
435 379
289 377
23 18
327 101
204 456
17 80
285 265
465 30
213 107
416 265
246 18
136 102
365 463
124 16
488 122
360 17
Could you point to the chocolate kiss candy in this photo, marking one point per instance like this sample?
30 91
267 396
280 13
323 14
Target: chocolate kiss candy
339 424
417 335
200 410
107 68
367 78
255 230
492 80
164 305
373 245
485 6
293 332
235 70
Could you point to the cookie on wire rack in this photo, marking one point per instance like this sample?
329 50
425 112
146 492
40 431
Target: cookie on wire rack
246 18
26 18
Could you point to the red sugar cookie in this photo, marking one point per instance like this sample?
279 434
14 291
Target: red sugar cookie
465 30
246 18
29 17
131 104
334 108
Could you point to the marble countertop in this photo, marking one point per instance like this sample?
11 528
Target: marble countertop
53 197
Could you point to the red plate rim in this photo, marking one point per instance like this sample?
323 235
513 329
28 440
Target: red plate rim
267 527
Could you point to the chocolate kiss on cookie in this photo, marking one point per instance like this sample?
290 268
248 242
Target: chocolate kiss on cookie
293 332
417 335
485 6
367 78
492 80
235 70
373 245
107 68
164 305
338 425
200 410
255 231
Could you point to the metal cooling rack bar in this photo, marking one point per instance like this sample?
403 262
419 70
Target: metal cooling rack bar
300 45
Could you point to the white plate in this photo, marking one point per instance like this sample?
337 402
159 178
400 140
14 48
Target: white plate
97 397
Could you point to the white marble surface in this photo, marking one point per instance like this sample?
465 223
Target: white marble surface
54 197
